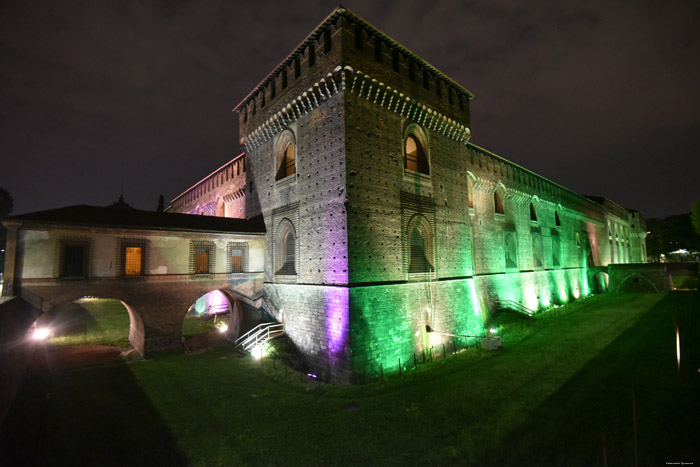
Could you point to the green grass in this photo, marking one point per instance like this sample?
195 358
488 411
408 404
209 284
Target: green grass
549 396
94 322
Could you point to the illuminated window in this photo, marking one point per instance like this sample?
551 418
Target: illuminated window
237 256
74 259
470 191
133 261
416 159
420 248
498 201
201 260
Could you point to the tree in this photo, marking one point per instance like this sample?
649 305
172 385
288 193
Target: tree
695 217
6 203
161 204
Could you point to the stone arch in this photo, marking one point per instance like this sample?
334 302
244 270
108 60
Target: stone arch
67 317
600 281
510 243
419 242
636 283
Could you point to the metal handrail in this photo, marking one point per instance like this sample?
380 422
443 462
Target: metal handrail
514 306
259 334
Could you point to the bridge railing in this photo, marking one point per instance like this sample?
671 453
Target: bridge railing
259 335
515 306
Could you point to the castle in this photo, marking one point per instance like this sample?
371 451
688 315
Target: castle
360 216
387 231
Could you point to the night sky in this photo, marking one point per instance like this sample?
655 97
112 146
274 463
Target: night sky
102 98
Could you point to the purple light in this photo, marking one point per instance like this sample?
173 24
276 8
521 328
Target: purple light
336 326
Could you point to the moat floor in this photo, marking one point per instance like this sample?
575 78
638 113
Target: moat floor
569 389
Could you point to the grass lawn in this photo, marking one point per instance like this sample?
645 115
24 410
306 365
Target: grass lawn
94 322
559 392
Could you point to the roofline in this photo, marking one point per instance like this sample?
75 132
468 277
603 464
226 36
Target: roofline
503 159
205 178
341 10
18 223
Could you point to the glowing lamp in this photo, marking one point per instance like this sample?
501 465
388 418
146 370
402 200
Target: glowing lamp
41 334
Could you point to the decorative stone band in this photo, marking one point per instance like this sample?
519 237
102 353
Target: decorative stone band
397 102
366 87
321 90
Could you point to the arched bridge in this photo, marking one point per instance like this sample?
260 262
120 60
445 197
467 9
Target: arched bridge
648 277
157 305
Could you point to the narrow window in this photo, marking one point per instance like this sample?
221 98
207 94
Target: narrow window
297 67
287 165
498 201
73 260
470 192
262 98
327 40
511 252
557 221
201 260
133 261
411 70
450 95
533 213
395 60
416 159
284 79
236 260
287 246
273 89
426 79
439 88
312 55
536 251
556 251
378 49
358 37
419 251
245 114
461 102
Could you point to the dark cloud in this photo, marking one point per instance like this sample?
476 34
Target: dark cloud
99 97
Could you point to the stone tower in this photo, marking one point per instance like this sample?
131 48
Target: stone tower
387 230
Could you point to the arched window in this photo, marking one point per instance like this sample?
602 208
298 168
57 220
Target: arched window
533 213
498 201
287 165
286 249
470 190
285 155
420 247
536 251
415 157
511 252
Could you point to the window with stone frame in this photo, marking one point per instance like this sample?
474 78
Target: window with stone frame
511 250
286 249
498 205
533 213
74 259
202 257
415 154
420 247
470 190
285 156
238 257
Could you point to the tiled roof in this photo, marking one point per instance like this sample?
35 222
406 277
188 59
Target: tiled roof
122 216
